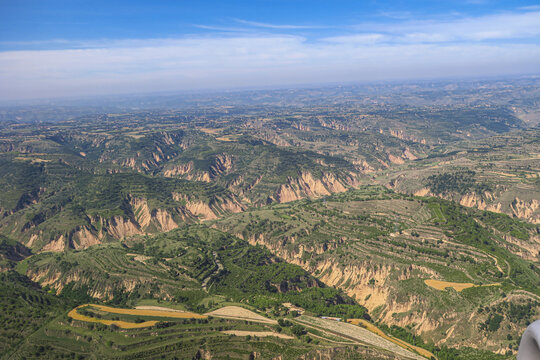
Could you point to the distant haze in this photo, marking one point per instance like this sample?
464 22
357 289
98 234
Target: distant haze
231 52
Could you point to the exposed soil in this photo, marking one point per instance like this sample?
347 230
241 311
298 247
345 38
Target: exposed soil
238 313
257 333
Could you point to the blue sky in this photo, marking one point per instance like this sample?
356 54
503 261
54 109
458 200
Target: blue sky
76 48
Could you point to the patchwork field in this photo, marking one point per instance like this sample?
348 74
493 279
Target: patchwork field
374 329
228 230
359 334
379 246
239 313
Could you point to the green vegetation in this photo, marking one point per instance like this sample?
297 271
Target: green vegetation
163 208
465 228
366 229
442 352
25 308
462 182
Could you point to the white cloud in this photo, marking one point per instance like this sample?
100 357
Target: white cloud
276 26
357 38
400 51
505 26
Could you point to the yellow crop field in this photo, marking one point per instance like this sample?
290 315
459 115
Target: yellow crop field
140 312
121 324
442 285
151 312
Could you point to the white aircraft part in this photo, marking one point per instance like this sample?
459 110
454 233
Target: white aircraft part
529 347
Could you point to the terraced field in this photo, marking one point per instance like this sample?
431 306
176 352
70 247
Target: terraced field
374 329
358 334
506 183
379 246
227 232
185 337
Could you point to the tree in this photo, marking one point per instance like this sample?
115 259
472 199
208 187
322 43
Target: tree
298 330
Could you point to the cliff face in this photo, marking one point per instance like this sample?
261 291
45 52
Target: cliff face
119 227
500 202
49 276
84 238
201 210
141 211
385 287
363 166
369 282
306 186
526 209
57 245
66 225
208 210
398 133
523 209
480 202
221 165
179 169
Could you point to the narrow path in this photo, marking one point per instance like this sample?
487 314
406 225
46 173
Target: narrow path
525 292
497 263
209 277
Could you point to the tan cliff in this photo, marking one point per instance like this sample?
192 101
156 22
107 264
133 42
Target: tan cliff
201 210
178 170
422 192
116 227
211 209
395 159
84 238
526 209
488 201
274 138
306 186
519 208
223 163
400 135
363 166
229 205
407 154
300 126
141 211
56 245
365 281
119 227
164 220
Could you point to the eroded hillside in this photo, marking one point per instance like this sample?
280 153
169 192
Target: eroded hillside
412 212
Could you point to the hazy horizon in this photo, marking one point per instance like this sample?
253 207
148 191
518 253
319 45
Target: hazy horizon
70 50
